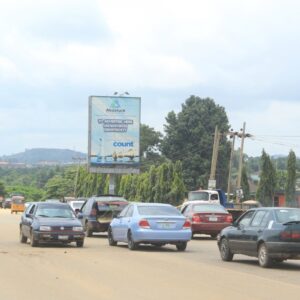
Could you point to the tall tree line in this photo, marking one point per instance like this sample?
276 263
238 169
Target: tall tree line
160 184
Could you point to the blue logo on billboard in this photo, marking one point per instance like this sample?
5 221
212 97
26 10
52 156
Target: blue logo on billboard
115 107
123 144
115 104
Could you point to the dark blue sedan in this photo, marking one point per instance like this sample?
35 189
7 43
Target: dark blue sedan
271 234
150 223
50 222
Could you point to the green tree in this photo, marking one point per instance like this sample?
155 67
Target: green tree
281 178
291 180
150 144
189 139
267 183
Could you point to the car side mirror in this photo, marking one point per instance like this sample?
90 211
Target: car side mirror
29 216
235 224
79 215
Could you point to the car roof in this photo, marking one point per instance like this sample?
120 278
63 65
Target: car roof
273 208
109 197
150 204
52 204
201 202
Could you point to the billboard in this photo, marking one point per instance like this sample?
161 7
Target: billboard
114 134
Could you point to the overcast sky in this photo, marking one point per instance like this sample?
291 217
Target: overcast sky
54 54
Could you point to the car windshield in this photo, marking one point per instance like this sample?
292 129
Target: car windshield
287 215
209 208
54 212
157 210
198 196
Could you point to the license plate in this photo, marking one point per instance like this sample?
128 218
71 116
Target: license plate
166 225
213 219
63 237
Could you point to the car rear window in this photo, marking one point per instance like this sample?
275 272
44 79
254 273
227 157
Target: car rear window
157 210
287 215
209 208
198 196
111 199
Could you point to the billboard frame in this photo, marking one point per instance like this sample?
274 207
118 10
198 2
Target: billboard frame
113 168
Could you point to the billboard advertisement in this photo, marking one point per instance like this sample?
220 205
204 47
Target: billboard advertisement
114 134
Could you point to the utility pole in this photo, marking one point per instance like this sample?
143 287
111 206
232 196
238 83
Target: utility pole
232 135
242 135
214 158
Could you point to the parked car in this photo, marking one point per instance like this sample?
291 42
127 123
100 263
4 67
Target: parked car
97 212
7 203
271 234
76 205
149 223
207 218
50 222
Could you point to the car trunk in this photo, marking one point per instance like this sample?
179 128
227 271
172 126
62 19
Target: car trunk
210 217
165 222
108 210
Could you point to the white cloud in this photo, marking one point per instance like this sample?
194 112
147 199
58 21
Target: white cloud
242 53
275 128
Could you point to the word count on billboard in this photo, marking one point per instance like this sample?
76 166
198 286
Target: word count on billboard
114 134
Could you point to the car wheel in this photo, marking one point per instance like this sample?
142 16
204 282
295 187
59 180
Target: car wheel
111 240
79 244
181 246
225 252
23 238
33 242
131 244
263 256
88 231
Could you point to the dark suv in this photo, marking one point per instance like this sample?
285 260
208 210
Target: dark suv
97 212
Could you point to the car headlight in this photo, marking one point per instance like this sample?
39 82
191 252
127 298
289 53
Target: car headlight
45 228
77 228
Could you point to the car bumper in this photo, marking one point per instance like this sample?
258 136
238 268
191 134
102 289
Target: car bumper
66 237
208 228
284 250
163 236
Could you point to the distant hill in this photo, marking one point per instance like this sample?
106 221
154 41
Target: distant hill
43 155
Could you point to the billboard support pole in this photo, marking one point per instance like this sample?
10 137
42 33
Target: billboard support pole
112 183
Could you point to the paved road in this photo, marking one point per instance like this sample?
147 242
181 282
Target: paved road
98 271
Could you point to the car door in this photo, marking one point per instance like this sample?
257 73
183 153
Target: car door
126 221
236 236
252 232
118 224
28 219
85 211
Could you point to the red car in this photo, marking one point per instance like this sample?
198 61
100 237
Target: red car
207 218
